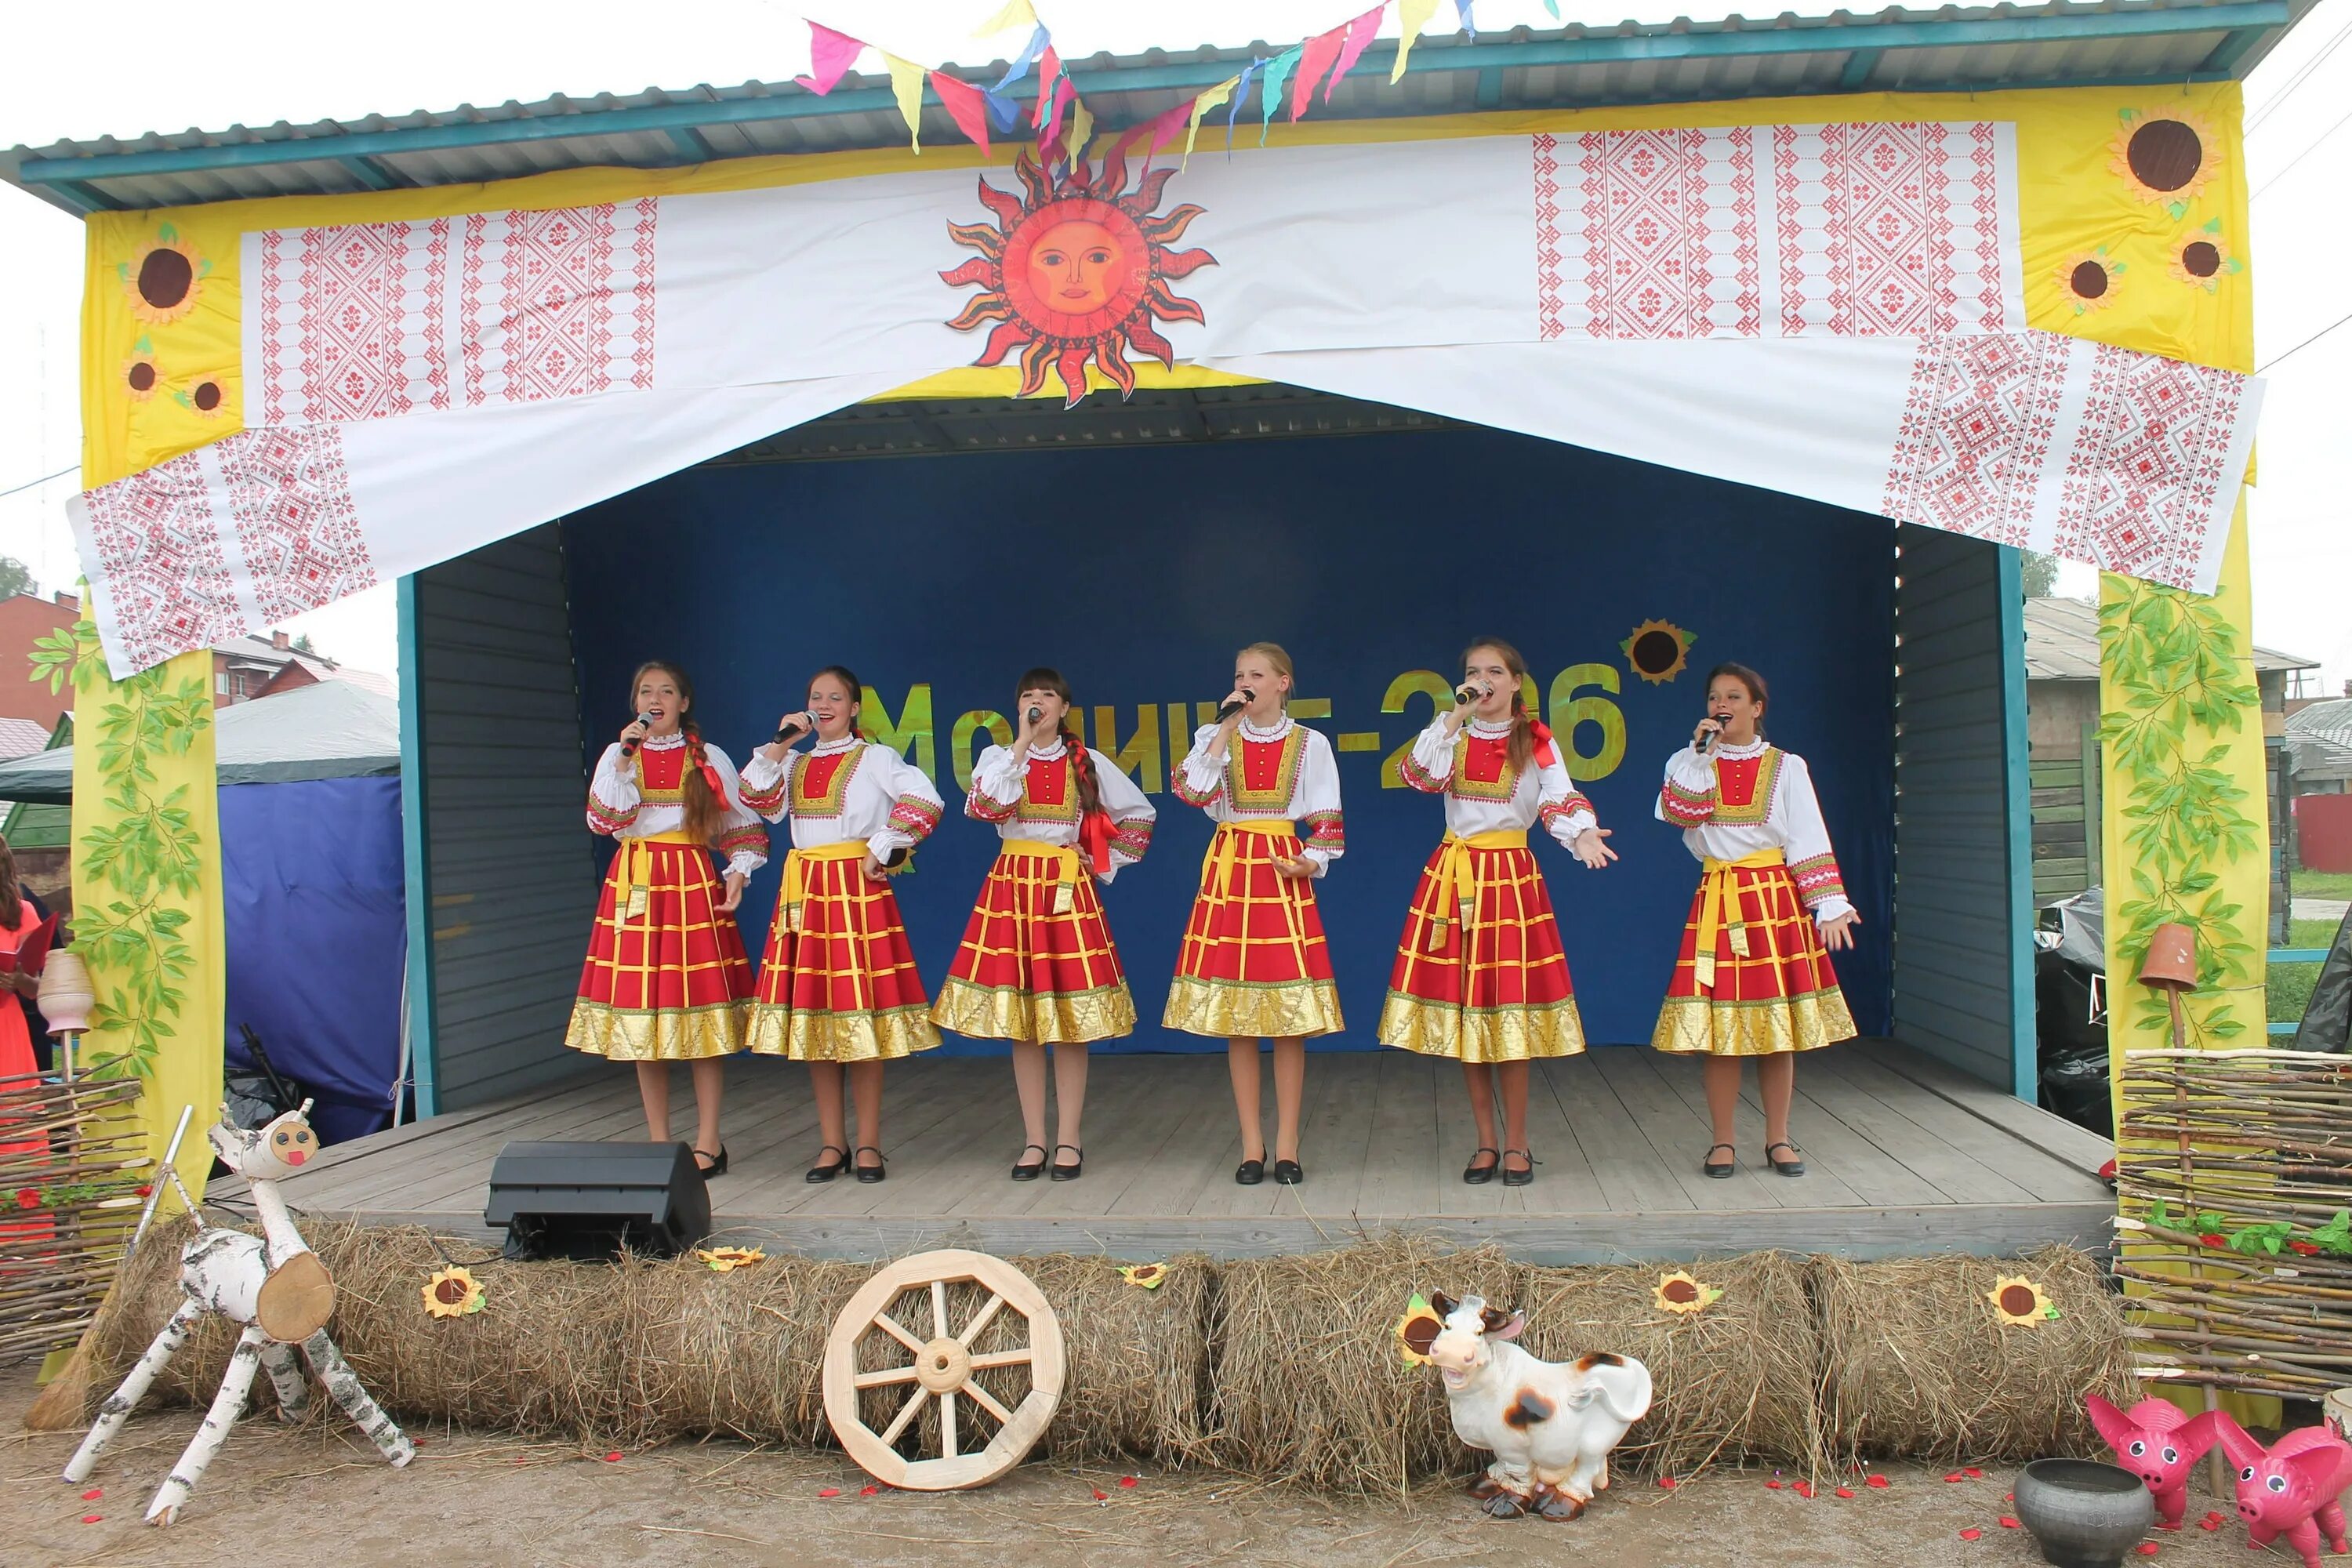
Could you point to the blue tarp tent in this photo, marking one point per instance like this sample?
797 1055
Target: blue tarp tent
312 889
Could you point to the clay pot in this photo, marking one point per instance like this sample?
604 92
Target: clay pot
2083 1514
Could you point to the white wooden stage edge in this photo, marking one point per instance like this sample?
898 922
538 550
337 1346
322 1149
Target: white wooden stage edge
1906 1157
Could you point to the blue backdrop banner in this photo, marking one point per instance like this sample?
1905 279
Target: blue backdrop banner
1374 560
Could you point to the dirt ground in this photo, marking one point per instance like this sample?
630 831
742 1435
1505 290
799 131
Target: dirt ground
317 1493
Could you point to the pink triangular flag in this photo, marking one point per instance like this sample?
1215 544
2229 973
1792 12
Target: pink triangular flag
1049 71
831 54
966 105
1360 37
1319 51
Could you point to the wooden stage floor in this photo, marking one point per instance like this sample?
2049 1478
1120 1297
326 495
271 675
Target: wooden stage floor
1905 1156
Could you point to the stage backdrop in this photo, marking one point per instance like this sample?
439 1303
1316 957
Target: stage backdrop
1374 560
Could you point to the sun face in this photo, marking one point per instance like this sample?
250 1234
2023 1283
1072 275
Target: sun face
167 278
2089 279
1657 651
2164 157
1075 272
2018 1302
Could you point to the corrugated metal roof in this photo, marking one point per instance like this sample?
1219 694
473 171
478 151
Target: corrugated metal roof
2061 43
2062 643
2320 735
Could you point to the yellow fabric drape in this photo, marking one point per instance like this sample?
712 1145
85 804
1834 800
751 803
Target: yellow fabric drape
1716 884
1457 879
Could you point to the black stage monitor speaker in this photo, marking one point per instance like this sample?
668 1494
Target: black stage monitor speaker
588 1201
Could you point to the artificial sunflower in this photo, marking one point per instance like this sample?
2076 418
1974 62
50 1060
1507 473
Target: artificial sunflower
2088 279
1678 1293
726 1260
1418 1330
1149 1276
2201 258
2164 157
207 399
1657 651
140 376
2018 1302
165 280
453 1292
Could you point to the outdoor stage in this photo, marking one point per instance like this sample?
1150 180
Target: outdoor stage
1906 1157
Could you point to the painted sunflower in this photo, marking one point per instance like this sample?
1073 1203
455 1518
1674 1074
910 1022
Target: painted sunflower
165 280
1657 651
1678 1293
140 376
1148 1276
2201 258
2018 1302
726 1260
2088 279
206 399
453 1292
2164 157
1418 1330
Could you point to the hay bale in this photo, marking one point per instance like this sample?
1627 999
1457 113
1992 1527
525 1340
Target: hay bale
1914 1363
1306 1385
141 1300
1139 1378
740 1354
1736 1381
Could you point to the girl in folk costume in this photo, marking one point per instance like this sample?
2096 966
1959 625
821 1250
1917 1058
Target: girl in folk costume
667 979
1753 978
1037 966
1479 973
838 988
1255 964
19 924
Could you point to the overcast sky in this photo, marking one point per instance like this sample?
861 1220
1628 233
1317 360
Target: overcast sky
66 76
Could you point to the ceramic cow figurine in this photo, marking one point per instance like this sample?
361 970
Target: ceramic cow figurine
2160 1445
2295 1488
274 1285
1549 1424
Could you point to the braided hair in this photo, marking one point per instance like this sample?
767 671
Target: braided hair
1082 762
705 816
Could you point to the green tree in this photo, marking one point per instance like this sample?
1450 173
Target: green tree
302 645
15 577
2041 574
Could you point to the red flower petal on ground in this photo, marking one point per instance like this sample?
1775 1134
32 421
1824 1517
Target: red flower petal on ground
1804 1488
1971 1533
2007 1522
1974 1474
1127 1480
869 1491
1955 1475
1668 1482
2208 1522
1100 1495
93 1494
1845 1492
94 1518
1879 1481
2146 1548
1772 1486
829 1491
614 1457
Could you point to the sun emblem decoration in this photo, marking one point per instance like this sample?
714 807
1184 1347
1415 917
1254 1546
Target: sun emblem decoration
1074 273
453 1292
166 281
1418 1330
2201 258
2088 279
1678 1293
1145 1276
2164 157
2019 1304
1657 651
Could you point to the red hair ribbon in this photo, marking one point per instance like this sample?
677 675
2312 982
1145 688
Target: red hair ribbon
1094 828
1546 752
709 773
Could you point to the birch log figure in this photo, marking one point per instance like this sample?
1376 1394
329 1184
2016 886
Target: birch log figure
274 1285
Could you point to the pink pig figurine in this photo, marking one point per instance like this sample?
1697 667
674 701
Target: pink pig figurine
2157 1443
2292 1488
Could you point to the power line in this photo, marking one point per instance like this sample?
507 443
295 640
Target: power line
2270 105
2305 344
44 478
2299 157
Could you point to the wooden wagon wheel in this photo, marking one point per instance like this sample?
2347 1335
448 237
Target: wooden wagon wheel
940 1368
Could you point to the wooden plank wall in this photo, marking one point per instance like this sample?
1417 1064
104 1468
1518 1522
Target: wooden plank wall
513 877
1954 981
2066 821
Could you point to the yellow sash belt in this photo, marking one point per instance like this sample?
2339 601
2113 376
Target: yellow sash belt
1716 889
1458 880
796 877
637 870
1066 868
1217 873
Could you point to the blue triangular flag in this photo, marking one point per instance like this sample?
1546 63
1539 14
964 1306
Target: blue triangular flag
1241 91
1029 53
1277 71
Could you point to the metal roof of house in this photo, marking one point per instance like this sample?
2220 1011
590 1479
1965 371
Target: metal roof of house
2062 43
2062 643
2320 736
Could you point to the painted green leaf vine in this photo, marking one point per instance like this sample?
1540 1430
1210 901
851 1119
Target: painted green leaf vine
2177 681
146 852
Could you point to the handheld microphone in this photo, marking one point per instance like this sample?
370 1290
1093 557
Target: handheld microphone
793 729
1228 710
1707 740
1035 714
1469 691
629 748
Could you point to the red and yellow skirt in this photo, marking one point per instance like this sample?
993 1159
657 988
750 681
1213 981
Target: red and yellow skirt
838 983
1254 964
667 978
1753 978
1037 961
1480 975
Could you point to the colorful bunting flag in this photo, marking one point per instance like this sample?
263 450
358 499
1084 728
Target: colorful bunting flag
1413 16
1552 6
1050 128
1015 14
1038 42
967 105
1156 131
1082 126
831 54
1319 52
1277 71
1361 33
1241 96
1049 73
1201 105
906 87
1462 9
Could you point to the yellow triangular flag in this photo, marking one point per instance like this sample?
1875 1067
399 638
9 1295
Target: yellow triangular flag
906 86
1017 14
1413 16
1201 105
1079 130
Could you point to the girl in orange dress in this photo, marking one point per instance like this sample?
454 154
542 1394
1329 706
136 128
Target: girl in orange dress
1037 965
1255 964
1753 977
667 978
18 921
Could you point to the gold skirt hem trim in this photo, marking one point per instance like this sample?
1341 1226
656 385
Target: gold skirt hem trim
1048 1017
1232 1011
657 1035
1482 1036
1698 1025
804 1036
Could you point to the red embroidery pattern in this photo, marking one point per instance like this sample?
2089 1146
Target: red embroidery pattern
1324 830
164 570
736 840
913 817
1547 251
1552 810
1976 434
1131 838
1688 807
1817 878
297 522
2143 477
1662 223
608 820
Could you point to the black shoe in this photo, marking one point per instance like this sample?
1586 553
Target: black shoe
1792 1166
1289 1172
824 1170
1719 1170
1519 1178
717 1166
1024 1172
1068 1172
1250 1173
1476 1175
872 1173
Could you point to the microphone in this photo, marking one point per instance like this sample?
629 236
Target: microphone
629 748
1228 710
1035 714
794 728
1707 740
1469 691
